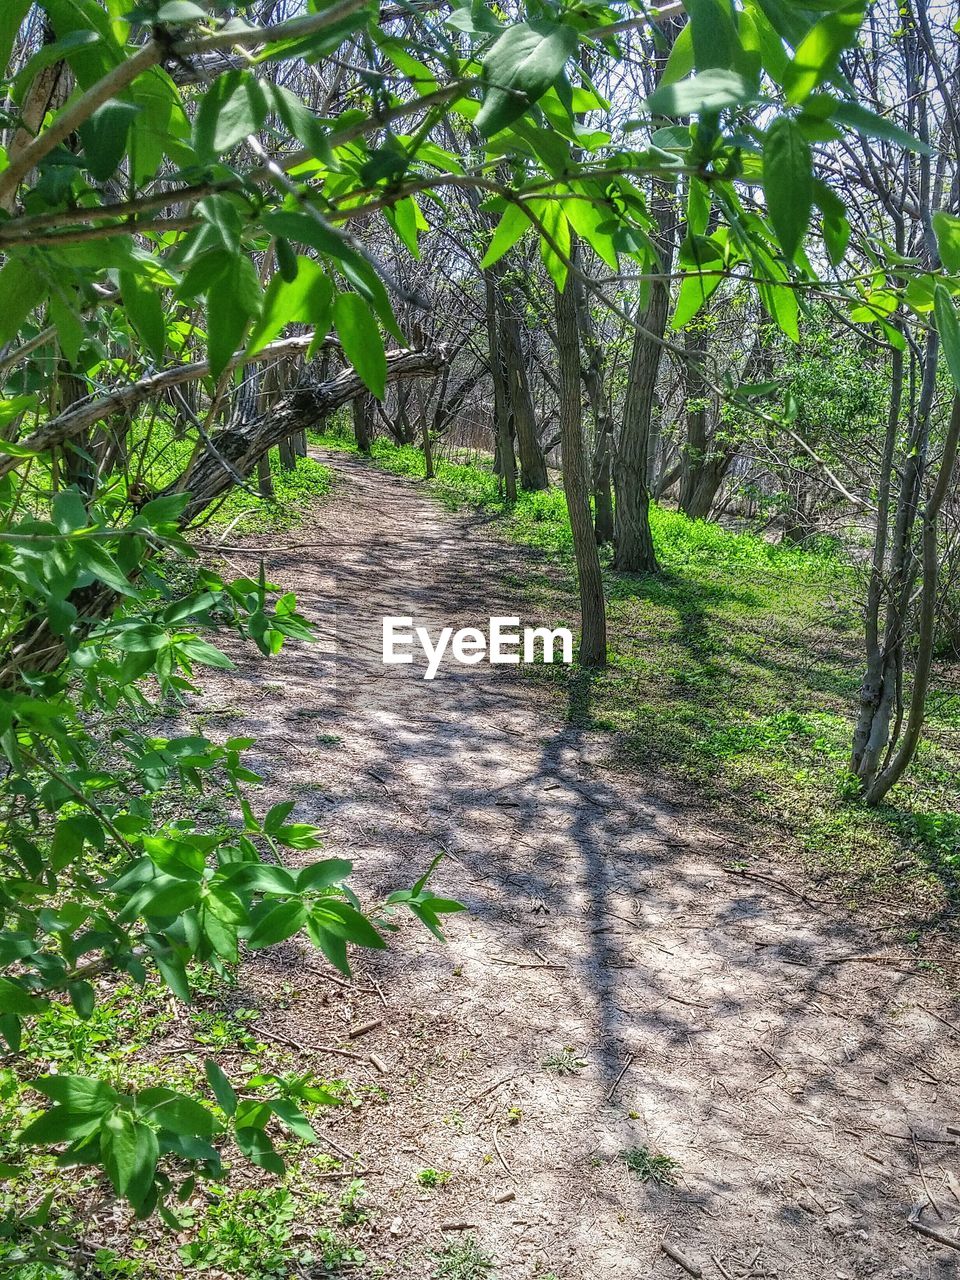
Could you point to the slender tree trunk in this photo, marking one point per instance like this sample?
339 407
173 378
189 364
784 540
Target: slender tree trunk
902 754
633 541
505 461
533 465
593 634
694 453
362 423
602 417
264 478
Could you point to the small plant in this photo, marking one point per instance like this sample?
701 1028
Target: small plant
652 1166
352 1200
434 1177
514 1115
462 1260
566 1062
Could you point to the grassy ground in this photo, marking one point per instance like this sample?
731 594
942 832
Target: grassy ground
736 674
249 1225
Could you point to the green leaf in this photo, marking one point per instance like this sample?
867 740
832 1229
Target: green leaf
104 137
60 1124
130 1152
15 999
177 1112
307 298
522 65
715 42
223 1090
261 877
348 923
181 11
293 1118
231 302
205 653
12 13
680 60
276 923
816 56
78 1093
709 91
144 308
321 875
865 122
83 998
69 511
359 334
788 182
21 289
232 108
947 230
258 1148
948 326
511 227
69 326
695 290
103 566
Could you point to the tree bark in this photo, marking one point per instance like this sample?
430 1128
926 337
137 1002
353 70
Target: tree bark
362 409
505 462
593 631
602 418
633 541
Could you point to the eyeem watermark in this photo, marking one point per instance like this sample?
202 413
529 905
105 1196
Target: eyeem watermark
503 642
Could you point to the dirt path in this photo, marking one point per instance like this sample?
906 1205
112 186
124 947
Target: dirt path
723 1021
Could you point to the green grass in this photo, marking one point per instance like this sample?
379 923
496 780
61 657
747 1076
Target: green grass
735 673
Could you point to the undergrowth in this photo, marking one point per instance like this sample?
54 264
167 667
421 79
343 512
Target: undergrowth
736 674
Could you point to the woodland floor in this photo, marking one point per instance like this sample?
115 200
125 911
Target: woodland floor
799 1072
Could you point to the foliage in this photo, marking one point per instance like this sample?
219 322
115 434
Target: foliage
564 1062
651 1166
463 1260
170 216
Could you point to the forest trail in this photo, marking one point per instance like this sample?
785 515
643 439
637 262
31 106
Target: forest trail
722 1020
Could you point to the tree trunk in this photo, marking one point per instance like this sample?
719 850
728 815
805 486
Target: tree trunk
505 462
634 551
602 417
533 465
363 423
593 632
264 478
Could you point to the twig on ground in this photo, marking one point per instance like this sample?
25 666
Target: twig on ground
496 1143
616 1084
913 1218
303 1048
680 1259
362 1028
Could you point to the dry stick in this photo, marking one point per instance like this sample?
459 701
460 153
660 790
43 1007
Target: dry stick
320 1048
931 1234
777 884
680 1259
496 1143
949 1025
923 1178
86 413
616 1084
490 1088
720 1267
363 1027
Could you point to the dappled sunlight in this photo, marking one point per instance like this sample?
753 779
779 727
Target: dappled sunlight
723 1016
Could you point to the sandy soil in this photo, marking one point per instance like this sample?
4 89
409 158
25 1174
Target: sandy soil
798 1072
